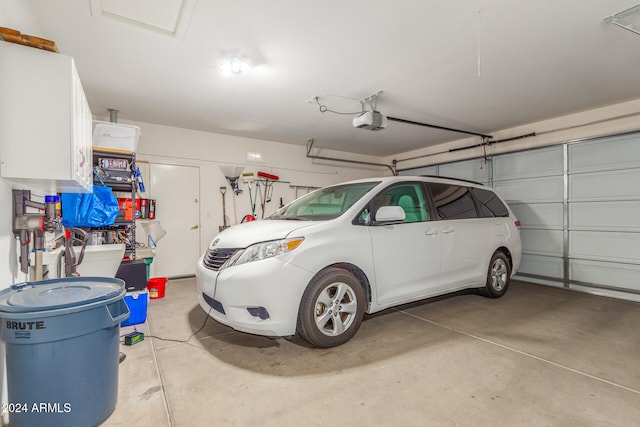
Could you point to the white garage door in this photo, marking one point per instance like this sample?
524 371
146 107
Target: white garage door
579 204
604 212
532 183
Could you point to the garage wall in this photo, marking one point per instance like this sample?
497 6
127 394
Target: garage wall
209 152
7 269
579 205
13 14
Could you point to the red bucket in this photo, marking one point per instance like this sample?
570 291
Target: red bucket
156 286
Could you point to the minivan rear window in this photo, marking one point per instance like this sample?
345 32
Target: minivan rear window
453 201
489 203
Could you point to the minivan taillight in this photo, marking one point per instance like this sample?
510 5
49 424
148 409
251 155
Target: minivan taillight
517 223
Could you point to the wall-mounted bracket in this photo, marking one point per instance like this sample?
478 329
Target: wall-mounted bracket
617 19
357 162
371 101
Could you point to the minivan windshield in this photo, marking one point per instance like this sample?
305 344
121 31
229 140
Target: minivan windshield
324 204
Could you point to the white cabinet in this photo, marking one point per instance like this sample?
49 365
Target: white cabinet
45 121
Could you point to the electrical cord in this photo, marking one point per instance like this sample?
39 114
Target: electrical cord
325 109
173 339
194 333
190 336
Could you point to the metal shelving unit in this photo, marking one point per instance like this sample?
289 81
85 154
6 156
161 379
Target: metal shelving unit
115 171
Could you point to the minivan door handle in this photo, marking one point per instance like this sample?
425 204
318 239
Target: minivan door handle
431 231
448 230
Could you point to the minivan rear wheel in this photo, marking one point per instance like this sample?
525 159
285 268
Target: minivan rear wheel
498 276
331 309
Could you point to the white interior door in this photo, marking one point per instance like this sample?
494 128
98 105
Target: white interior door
176 190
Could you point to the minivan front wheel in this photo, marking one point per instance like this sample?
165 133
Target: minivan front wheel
331 309
498 276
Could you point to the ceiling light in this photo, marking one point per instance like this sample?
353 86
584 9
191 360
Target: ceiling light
234 66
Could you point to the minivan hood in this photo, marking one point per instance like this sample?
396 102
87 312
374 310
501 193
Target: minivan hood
243 235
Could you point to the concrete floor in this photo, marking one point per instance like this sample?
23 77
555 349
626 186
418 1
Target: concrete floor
538 356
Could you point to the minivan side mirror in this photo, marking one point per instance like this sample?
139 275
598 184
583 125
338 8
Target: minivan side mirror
389 215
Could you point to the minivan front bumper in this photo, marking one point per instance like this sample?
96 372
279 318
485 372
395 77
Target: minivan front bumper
260 297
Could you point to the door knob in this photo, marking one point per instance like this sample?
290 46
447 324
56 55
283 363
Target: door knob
448 230
431 232
195 227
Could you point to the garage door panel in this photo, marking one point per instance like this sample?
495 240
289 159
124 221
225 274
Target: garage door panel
474 170
622 152
605 246
542 242
427 170
538 215
542 266
606 273
579 205
613 185
528 164
545 189
605 216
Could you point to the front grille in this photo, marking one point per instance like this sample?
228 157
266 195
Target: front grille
214 258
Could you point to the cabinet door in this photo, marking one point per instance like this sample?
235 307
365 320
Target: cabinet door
45 121
81 138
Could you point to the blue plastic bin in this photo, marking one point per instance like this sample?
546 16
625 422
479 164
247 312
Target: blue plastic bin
137 303
62 345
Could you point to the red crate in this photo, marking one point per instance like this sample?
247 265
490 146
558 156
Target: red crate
126 209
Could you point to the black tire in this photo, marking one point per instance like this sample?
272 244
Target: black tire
331 309
498 276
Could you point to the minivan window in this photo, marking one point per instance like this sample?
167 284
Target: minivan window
452 201
408 195
489 203
324 204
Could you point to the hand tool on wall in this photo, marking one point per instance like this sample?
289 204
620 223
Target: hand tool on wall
233 182
71 261
249 178
268 188
223 191
232 174
258 193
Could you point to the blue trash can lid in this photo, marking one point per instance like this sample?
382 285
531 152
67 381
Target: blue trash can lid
59 293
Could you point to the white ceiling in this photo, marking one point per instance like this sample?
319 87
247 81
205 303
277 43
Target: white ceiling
479 65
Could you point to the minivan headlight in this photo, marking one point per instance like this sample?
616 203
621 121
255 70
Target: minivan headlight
264 250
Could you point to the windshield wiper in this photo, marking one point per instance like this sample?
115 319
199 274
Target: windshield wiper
285 218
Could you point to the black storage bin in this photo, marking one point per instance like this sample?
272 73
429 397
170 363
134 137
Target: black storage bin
134 274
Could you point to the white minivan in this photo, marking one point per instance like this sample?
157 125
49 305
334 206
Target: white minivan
318 264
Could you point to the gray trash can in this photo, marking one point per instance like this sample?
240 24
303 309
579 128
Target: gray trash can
62 340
